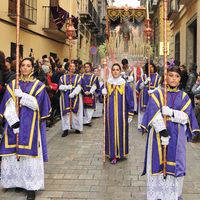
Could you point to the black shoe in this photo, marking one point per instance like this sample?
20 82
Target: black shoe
77 131
89 124
30 195
18 190
65 133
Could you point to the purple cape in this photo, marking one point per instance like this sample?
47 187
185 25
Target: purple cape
32 123
179 133
144 96
119 106
75 80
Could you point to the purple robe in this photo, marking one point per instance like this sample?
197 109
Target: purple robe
32 123
144 96
119 106
74 80
88 81
179 133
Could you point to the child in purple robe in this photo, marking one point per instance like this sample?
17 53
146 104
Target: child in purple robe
90 86
181 125
119 113
30 145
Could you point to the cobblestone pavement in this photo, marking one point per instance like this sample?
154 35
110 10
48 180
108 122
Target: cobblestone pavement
76 171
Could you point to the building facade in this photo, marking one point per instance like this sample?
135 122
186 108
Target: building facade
39 34
184 16
182 29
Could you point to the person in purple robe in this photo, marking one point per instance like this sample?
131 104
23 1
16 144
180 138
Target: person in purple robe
181 125
119 113
71 103
145 86
23 156
90 86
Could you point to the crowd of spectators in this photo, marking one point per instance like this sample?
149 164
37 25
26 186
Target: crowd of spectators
49 70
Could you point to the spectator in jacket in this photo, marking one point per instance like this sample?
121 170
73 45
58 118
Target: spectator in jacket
192 76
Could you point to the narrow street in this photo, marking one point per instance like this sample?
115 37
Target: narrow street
76 171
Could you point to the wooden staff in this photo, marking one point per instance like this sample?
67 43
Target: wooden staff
148 32
70 102
70 34
105 68
17 69
105 77
70 82
165 2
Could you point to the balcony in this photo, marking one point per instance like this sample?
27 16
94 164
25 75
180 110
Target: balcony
89 16
28 11
50 26
173 12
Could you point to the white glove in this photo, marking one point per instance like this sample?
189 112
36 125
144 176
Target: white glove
130 79
142 85
122 73
167 111
147 80
71 95
15 130
65 87
165 140
129 119
150 91
62 87
92 89
69 87
104 91
18 92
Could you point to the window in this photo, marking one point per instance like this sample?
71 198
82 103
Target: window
177 46
13 50
28 10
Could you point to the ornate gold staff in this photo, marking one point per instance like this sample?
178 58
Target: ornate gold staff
165 2
105 77
70 30
17 69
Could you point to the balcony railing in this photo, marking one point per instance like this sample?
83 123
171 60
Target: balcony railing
28 11
88 15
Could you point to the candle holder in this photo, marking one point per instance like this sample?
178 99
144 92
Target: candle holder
70 33
148 30
148 33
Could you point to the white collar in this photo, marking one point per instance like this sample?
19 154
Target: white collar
116 81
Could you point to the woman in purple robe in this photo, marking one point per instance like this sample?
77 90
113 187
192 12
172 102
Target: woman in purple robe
27 171
145 86
181 125
119 113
